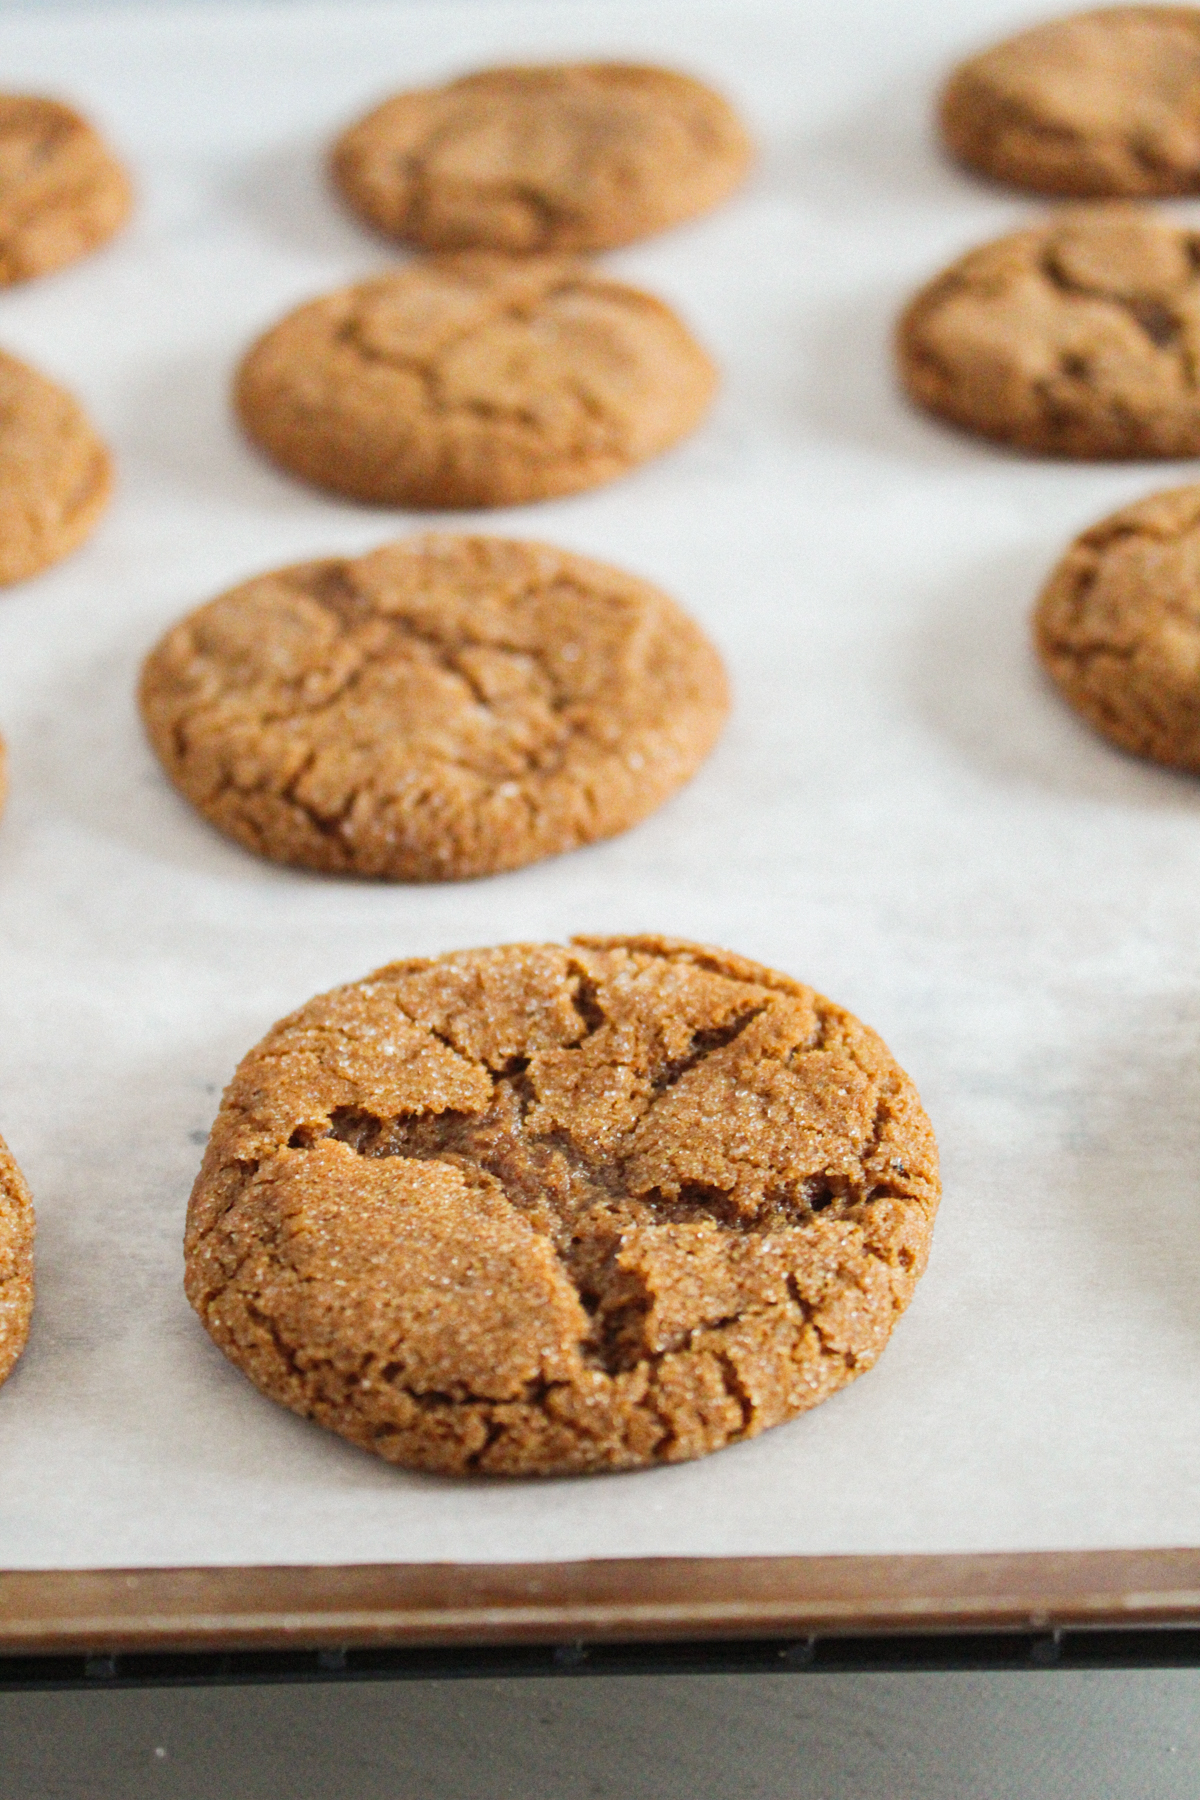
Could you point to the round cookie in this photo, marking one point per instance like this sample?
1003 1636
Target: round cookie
1117 627
473 381
16 1261
578 156
1101 103
444 707
55 474
539 1210
1076 338
62 191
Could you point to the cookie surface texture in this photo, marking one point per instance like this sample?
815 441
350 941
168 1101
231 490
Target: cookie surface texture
473 381
1077 338
444 707
575 157
1102 103
55 474
62 191
1117 627
16 1261
543 1209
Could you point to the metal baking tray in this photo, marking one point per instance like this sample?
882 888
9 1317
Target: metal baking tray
901 813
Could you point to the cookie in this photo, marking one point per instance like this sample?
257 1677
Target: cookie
1117 627
539 1210
575 156
16 1261
1079 337
55 474
62 191
473 381
1102 103
444 707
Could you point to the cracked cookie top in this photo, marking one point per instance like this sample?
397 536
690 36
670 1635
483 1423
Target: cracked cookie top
578 156
473 381
1103 103
55 474
62 191
444 707
1117 626
541 1209
16 1261
1079 338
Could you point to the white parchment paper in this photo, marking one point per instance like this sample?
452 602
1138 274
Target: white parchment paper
902 813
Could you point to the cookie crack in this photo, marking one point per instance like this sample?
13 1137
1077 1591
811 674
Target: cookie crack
285 1351
427 367
703 1045
1154 317
1082 656
736 1389
586 1001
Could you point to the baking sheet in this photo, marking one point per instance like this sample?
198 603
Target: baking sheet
902 813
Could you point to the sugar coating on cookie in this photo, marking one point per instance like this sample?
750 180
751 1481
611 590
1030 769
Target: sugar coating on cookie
62 191
16 1261
1117 626
443 707
1100 103
55 474
473 380
544 1209
579 156
1078 338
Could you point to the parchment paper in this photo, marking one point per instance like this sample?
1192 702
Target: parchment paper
902 813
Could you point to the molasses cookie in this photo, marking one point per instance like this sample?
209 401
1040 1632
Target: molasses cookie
578 156
55 474
1102 103
1118 627
473 381
444 707
539 1210
16 1261
1078 338
62 191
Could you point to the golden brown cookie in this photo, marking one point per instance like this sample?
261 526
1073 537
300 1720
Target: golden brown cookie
1078 338
1118 627
62 191
577 156
537 1210
16 1261
55 474
444 707
473 381
1100 103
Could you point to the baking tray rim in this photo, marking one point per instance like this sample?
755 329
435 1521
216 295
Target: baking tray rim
608 1600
